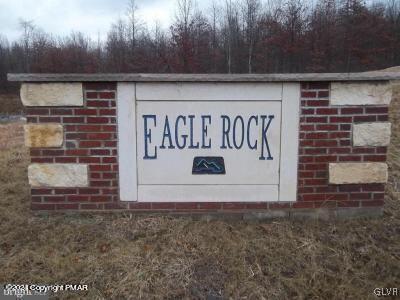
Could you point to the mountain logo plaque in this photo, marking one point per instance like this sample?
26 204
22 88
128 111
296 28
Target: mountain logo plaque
210 165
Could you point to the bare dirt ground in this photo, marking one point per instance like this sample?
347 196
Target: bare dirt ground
155 257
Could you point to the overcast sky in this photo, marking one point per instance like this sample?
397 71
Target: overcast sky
92 17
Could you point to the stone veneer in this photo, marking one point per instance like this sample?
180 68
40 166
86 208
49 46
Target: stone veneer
342 152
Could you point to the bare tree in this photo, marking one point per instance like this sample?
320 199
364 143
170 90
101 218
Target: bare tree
251 15
27 37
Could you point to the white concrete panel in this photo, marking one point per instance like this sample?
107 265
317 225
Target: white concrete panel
207 193
126 109
52 94
371 134
290 142
174 166
360 93
349 173
208 91
58 175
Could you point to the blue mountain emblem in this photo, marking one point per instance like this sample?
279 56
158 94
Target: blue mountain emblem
208 165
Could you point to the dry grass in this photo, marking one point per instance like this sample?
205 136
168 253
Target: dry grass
123 256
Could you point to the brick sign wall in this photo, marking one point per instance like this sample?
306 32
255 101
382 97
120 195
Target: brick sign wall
342 138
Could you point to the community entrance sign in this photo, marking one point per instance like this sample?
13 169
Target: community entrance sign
208 142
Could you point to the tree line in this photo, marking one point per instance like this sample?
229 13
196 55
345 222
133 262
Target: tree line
231 36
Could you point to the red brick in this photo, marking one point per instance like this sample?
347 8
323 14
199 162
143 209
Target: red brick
89 206
340 119
328 158
103 198
364 118
37 111
378 196
349 158
109 160
61 111
99 136
162 205
349 188
97 103
102 183
306 127
110 144
359 150
317 102
351 110
381 150
327 111
325 143
377 110
313 151
115 205
50 119
106 95
67 206
65 191
339 135
383 118
279 205
314 197
372 203
316 119
327 127
89 128
307 111
375 158
97 168
308 94
41 159
345 127
77 198
91 95
140 205
52 152
109 112
305 189
110 128
65 160
348 203
315 181
260 205
89 144
85 112
76 152
186 205
323 94
54 198
360 196
97 120
303 205
210 205
317 135
73 120
89 160
95 175
35 191
88 191
373 187
233 205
